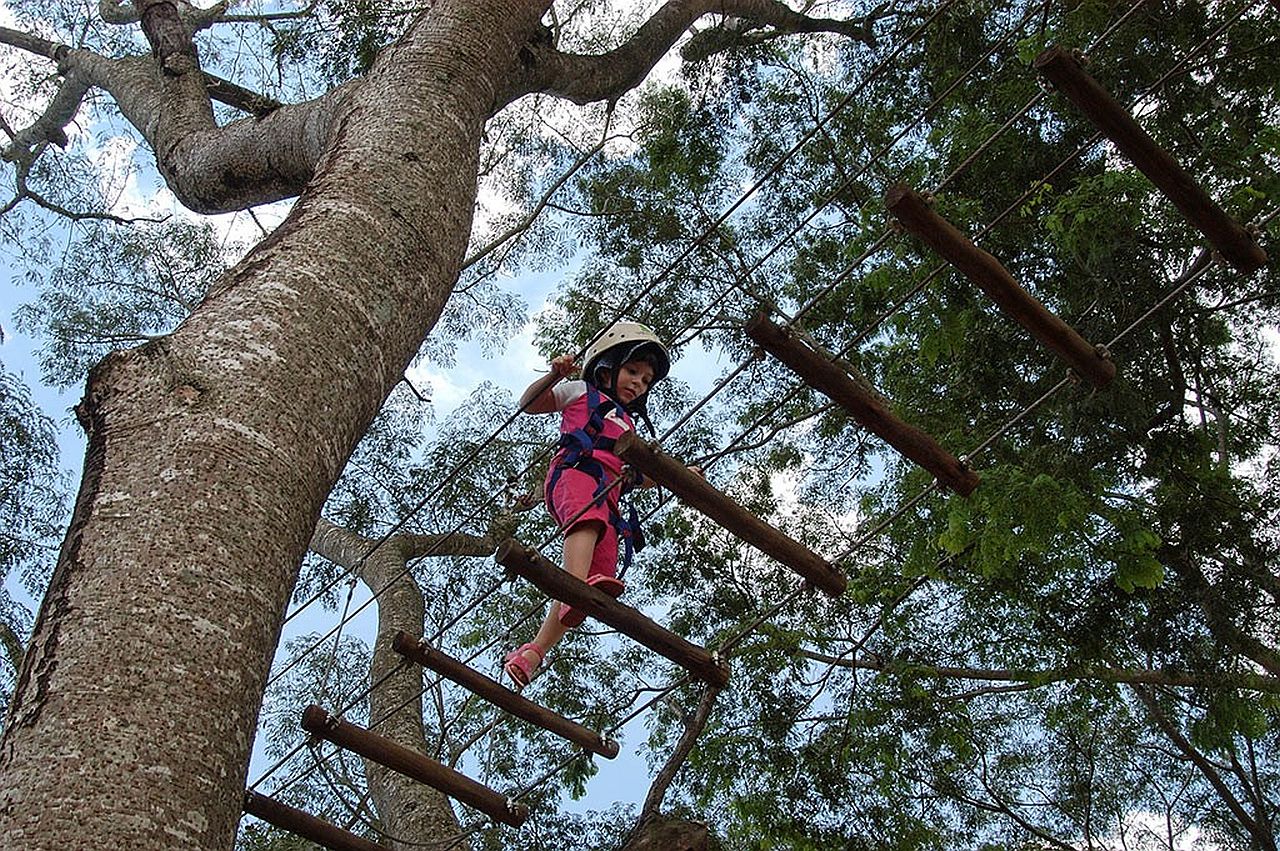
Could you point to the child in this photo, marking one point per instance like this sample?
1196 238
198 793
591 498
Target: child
619 370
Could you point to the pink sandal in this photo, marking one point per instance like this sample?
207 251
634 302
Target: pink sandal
611 585
518 666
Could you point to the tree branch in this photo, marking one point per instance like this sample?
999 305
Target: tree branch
417 545
124 12
693 728
1217 614
238 97
33 44
524 224
1262 837
1002 806
584 79
13 649
1033 678
739 32
48 127
210 169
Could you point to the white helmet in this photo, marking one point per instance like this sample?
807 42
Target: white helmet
622 342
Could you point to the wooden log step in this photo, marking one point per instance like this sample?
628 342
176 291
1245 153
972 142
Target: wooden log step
698 493
563 586
306 825
911 209
410 763
822 373
1236 245
416 649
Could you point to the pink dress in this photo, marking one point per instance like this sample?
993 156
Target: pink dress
571 499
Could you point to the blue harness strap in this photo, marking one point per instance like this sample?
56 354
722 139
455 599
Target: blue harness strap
578 446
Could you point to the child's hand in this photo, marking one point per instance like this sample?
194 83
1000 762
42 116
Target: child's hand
697 471
563 365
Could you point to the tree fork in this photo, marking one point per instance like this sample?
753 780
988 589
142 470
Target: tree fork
171 44
822 373
1236 245
318 722
559 585
697 492
417 650
911 209
305 825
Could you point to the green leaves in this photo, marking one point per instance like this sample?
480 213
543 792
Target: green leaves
1100 216
1015 515
1136 562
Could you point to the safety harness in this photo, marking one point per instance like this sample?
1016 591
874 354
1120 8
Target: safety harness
578 447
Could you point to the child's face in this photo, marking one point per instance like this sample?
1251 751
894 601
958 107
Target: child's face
634 378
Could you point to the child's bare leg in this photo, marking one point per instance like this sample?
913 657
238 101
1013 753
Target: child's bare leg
579 545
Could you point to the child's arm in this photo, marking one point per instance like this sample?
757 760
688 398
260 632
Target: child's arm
537 398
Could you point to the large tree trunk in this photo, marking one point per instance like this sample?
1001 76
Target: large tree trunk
211 451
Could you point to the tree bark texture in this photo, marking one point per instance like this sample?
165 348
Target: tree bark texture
211 451
659 834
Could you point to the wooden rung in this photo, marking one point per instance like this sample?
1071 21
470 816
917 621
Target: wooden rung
414 648
561 585
410 763
306 825
820 372
911 209
1233 242
698 493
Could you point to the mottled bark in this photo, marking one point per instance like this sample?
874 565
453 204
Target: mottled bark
217 169
210 169
660 834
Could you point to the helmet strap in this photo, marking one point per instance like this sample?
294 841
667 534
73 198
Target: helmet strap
610 382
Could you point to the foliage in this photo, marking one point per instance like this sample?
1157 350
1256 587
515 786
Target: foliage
33 492
116 287
1115 530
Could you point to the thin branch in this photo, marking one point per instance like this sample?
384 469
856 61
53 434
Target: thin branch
1028 678
35 197
693 727
525 223
13 648
1002 806
1262 837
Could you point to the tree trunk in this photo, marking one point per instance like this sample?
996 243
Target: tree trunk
210 453
661 834
407 809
